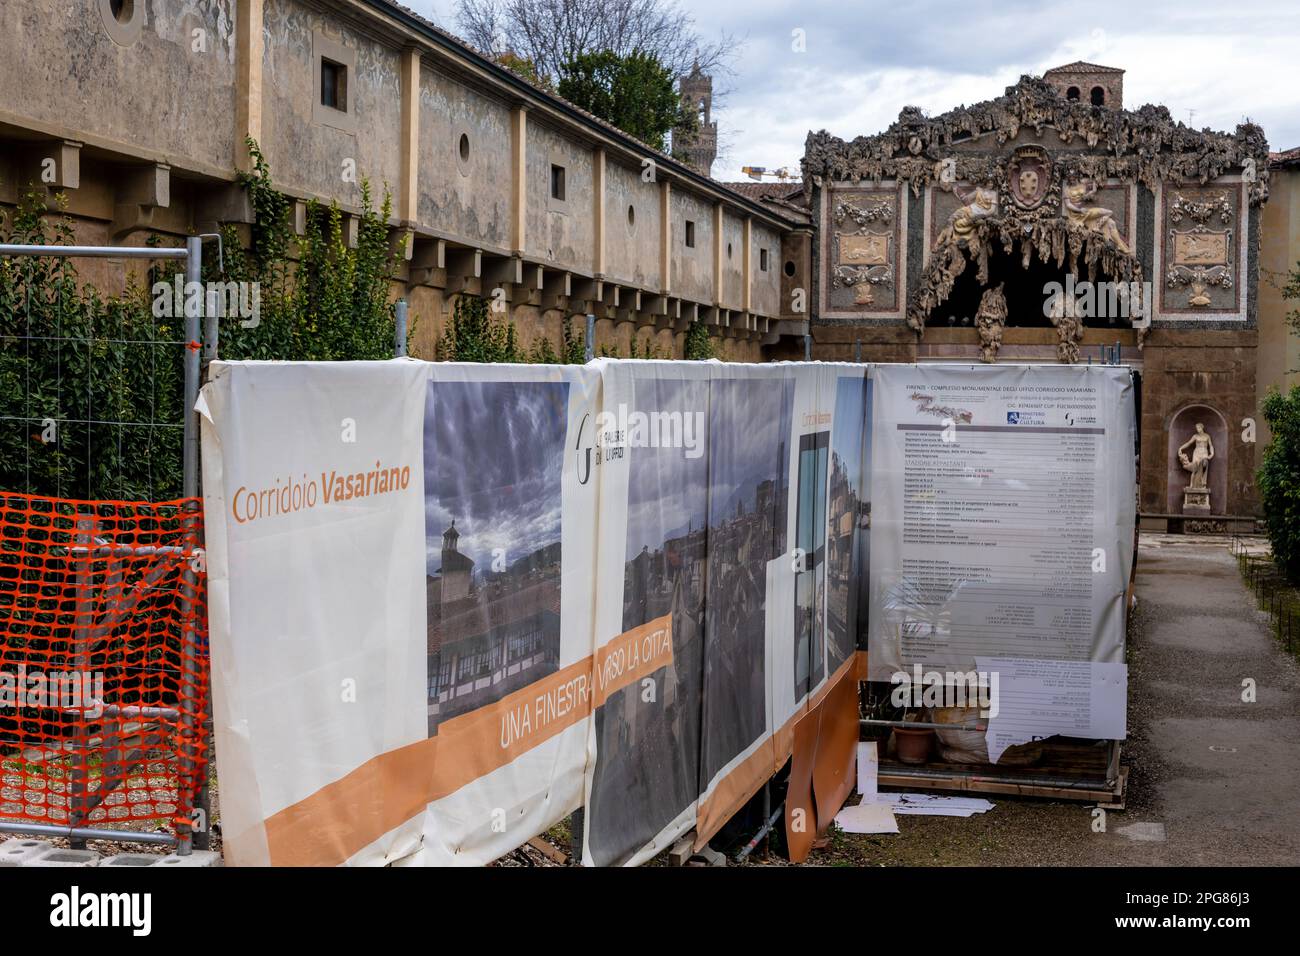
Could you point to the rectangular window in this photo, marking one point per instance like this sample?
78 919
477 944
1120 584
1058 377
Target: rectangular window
690 234
762 259
557 182
333 85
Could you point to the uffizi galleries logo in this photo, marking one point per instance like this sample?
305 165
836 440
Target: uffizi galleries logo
76 909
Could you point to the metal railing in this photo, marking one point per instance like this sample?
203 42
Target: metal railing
200 346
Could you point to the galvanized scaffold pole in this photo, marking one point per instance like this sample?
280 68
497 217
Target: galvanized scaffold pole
193 725
399 331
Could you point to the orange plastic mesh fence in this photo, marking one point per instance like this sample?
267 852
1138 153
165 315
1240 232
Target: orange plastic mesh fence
103 661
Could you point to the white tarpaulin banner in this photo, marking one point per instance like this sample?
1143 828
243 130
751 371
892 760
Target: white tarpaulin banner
451 603
1004 505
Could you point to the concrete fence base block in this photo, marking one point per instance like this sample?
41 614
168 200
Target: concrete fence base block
199 858
131 859
19 852
28 852
41 853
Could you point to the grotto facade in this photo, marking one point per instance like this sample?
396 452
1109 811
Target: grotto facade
1052 225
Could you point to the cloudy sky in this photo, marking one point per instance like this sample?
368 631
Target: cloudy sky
1212 63
493 454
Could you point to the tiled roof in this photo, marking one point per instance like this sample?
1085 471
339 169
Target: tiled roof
1080 66
760 191
1288 157
510 75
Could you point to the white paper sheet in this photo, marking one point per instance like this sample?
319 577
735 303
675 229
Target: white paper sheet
868 770
1038 699
867 818
934 804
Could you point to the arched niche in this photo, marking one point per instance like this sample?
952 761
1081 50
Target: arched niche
1182 425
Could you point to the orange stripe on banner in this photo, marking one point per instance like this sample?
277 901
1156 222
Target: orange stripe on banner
744 780
633 655
332 824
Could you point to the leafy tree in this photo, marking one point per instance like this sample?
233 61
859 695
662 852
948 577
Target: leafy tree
522 66
475 335
1278 480
333 302
109 371
697 345
573 347
552 34
633 92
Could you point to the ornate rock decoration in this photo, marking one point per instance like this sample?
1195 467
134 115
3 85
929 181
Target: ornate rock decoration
990 320
1145 145
1045 204
1069 329
1201 253
862 257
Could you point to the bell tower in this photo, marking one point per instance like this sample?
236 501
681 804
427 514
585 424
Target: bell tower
697 148
1089 83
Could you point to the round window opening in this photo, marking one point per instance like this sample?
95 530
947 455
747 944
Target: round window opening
464 147
789 268
631 216
122 19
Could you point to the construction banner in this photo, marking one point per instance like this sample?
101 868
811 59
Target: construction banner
452 603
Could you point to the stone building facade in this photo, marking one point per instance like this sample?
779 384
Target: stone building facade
138 113
985 234
1279 255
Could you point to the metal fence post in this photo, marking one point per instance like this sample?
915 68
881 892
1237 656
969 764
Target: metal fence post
807 348
192 728
193 345
399 333
591 337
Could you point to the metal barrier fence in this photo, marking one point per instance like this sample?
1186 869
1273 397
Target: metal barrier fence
1273 592
109 592
103 670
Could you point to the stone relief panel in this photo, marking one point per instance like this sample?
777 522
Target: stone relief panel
863 254
1200 244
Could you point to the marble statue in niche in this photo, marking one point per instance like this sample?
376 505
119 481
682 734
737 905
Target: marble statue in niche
1196 497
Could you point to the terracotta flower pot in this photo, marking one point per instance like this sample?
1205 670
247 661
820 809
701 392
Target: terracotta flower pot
913 744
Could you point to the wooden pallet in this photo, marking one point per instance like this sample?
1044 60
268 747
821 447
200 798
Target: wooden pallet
1070 769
